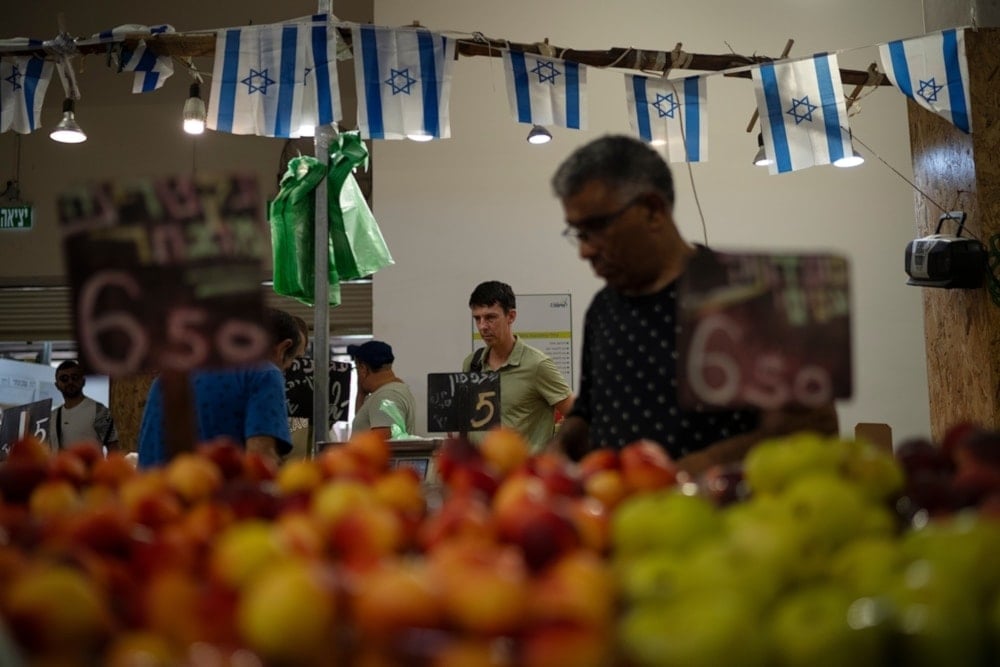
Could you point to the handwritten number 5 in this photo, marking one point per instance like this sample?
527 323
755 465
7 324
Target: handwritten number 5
484 402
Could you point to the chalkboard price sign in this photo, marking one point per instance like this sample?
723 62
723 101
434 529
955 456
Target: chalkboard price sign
299 389
769 331
19 421
461 402
166 273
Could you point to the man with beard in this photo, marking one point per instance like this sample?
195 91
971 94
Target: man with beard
80 418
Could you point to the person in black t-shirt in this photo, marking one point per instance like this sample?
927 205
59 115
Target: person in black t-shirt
617 195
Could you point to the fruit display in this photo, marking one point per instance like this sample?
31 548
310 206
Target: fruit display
814 551
218 558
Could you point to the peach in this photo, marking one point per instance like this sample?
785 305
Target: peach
373 448
338 498
460 518
607 486
112 471
604 458
54 609
68 466
401 490
287 615
559 645
54 498
243 552
299 476
577 588
484 588
366 534
505 449
396 596
592 520
193 477
646 467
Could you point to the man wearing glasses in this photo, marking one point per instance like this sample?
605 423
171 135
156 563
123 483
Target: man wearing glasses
618 195
79 418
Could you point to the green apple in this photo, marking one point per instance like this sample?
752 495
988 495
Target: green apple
694 631
774 464
823 625
662 521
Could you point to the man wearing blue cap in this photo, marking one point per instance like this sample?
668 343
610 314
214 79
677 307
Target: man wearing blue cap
377 386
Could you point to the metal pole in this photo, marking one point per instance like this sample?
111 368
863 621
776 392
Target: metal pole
321 310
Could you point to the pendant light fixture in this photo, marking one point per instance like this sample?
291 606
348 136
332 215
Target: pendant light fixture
68 131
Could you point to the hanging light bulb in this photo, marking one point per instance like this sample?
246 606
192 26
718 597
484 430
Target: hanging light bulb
761 159
850 160
422 136
194 111
539 135
68 130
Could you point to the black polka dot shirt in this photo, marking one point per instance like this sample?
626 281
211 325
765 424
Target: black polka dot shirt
628 383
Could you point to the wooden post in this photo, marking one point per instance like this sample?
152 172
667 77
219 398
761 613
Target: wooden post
962 172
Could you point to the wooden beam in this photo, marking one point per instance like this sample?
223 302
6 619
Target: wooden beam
202 44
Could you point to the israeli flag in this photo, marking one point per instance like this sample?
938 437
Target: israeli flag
671 113
933 72
404 82
23 82
546 91
803 116
151 70
271 80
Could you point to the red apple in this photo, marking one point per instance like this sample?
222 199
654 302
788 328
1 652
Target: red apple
604 458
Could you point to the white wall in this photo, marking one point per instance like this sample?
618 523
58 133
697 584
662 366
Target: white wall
478 206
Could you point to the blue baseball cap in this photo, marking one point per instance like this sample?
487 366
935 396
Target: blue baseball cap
374 353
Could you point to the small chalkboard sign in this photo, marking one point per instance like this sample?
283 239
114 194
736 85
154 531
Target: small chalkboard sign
764 330
166 273
21 420
461 402
299 389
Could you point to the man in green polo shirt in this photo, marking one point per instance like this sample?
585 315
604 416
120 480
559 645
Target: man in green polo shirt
531 387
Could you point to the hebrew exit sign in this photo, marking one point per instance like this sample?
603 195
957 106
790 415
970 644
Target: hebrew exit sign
15 217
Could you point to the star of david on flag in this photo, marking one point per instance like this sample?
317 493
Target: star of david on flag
277 80
23 82
803 115
933 72
546 91
670 113
404 82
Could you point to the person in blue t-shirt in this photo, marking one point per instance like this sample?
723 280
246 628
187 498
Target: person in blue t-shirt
245 404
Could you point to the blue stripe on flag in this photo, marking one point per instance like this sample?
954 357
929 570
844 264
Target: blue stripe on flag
429 83
641 107
776 121
32 43
572 72
828 102
373 92
692 119
521 87
227 90
31 79
955 85
286 81
149 80
321 70
156 30
105 35
897 54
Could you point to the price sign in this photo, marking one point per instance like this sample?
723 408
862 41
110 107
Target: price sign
19 421
463 401
768 331
166 273
299 389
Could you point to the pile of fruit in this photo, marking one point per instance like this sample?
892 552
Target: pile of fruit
219 559
816 551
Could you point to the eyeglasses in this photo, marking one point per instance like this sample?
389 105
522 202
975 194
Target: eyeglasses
584 230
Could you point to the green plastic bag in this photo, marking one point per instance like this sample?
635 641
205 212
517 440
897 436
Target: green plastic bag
293 233
356 248
397 430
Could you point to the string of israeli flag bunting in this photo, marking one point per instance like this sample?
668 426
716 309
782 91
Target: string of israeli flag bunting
273 80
